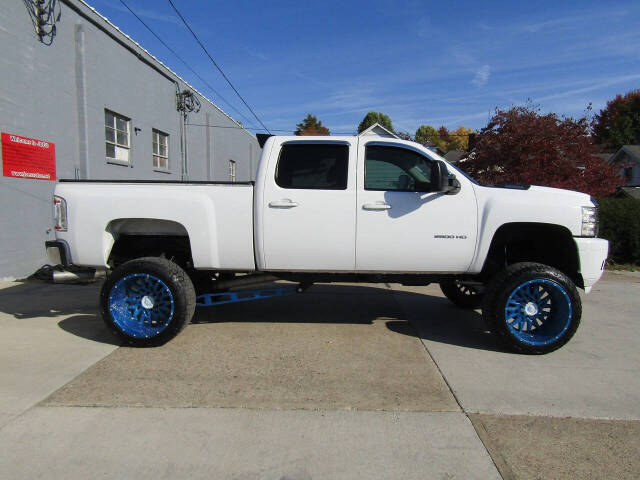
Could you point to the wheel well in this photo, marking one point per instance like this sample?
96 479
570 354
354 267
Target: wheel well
141 237
544 243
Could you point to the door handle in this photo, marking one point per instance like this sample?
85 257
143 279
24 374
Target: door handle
285 203
376 206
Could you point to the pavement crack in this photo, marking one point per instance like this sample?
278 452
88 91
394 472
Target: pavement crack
500 464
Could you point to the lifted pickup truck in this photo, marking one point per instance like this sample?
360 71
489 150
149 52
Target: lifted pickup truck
327 209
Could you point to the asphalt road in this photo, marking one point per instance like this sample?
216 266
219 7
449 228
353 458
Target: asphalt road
344 381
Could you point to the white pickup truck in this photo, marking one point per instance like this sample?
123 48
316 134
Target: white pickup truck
324 209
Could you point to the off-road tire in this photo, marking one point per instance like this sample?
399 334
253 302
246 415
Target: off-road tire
505 284
173 277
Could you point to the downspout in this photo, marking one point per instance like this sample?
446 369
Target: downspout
185 172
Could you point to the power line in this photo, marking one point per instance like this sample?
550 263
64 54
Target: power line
186 64
253 128
294 129
216 65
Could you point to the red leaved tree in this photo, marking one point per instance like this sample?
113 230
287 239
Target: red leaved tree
521 145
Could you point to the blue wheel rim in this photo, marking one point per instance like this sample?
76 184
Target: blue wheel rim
141 305
538 312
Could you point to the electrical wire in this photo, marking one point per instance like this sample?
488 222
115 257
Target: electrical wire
249 122
216 65
44 14
293 130
272 130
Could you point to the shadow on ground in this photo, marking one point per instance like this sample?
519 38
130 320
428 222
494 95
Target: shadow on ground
75 305
428 317
435 319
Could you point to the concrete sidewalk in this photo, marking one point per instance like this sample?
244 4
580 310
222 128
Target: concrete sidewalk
50 334
344 381
176 443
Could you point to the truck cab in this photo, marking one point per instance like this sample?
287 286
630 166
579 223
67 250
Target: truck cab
354 204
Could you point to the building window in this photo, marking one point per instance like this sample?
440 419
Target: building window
116 131
160 150
627 173
232 170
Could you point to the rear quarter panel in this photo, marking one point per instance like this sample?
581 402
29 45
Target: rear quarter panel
217 218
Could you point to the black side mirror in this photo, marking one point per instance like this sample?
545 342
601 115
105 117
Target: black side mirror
442 180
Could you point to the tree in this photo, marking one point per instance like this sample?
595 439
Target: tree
443 138
404 135
459 139
311 126
619 123
520 145
375 117
428 135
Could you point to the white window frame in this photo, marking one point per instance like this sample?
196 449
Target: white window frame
232 171
158 157
122 151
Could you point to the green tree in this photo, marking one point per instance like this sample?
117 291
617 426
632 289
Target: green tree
428 135
311 126
375 117
618 123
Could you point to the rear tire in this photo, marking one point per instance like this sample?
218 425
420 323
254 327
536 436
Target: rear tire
533 308
147 301
462 295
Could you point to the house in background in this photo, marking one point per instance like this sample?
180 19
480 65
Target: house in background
455 156
628 157
378 130
628 192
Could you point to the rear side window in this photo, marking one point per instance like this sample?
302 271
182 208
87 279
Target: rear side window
313 166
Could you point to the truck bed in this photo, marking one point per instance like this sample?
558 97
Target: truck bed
217 218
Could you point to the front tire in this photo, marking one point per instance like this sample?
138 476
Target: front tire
462 295
534 308
147 301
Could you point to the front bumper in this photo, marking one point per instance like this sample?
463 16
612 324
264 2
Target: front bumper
592 253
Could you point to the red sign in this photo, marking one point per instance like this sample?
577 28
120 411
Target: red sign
24 157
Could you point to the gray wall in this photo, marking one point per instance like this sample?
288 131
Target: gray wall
58 93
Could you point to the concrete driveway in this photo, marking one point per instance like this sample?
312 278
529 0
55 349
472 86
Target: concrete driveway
345 381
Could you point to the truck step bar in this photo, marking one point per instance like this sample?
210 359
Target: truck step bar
214 299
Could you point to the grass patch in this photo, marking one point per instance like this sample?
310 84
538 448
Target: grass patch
627 267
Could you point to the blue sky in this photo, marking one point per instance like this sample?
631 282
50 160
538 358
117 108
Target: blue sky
437 63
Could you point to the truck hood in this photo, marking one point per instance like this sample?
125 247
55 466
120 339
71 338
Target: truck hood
536 204
538 193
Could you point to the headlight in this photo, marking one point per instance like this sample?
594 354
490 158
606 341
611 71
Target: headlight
589 221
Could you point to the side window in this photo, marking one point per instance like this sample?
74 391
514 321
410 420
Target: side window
313 166
116 131
396 169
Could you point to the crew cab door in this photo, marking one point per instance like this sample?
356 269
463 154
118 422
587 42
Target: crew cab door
401 226
308 217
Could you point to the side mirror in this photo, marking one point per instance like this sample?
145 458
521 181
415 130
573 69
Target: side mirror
442 180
